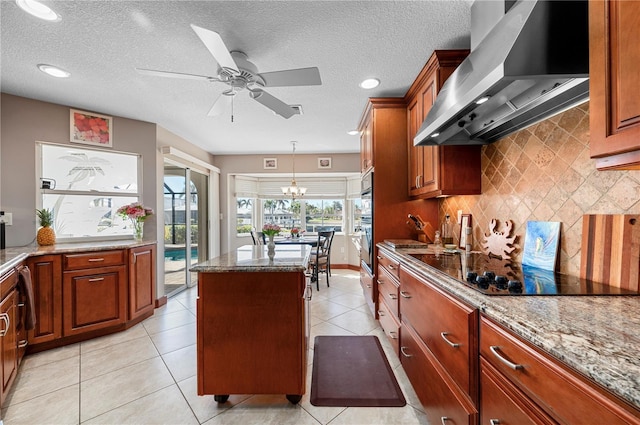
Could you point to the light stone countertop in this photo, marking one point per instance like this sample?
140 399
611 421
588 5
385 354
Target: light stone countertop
11 257
253 258
598 336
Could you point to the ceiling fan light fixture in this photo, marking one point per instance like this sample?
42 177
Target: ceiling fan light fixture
39 10
53 71
293 191
370 83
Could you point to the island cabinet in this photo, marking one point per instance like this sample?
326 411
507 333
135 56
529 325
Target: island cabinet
46 278
614 83
142 278
439 349
438 170
521 384
8 331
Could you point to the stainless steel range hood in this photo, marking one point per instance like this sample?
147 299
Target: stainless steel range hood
534 63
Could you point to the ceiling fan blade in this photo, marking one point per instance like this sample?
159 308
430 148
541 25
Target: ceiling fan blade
169 74
292 77
216 46
273 103
220 105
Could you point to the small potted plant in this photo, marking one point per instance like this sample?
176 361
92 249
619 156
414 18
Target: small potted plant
295 232
46 235
270 230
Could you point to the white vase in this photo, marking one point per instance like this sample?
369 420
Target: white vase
271 248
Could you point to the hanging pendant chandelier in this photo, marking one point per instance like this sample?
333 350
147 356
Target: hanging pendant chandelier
293 191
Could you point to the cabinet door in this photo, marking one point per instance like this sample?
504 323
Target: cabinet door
46 277
366 144
94 299
614 37
8 343
414 117
142 281
430 154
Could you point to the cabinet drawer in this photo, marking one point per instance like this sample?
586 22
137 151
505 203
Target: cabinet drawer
503 403
390 325
392 266
437 393
448 327
366 281
93 259
8 281
388 290
566 395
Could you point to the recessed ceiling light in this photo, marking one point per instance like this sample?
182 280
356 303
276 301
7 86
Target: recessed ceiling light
353 132
38 10
370 83
54 71
482 100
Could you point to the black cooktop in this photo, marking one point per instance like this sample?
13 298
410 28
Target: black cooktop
493 276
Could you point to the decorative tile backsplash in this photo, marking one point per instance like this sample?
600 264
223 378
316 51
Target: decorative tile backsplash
544 173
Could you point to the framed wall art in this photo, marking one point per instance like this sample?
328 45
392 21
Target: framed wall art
90 128
270 163
324 163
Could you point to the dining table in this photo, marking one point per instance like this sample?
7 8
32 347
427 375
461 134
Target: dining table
312 241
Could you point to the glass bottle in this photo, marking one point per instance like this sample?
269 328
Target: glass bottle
436 240
447 231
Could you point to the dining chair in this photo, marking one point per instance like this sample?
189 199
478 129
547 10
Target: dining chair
258 238
320 256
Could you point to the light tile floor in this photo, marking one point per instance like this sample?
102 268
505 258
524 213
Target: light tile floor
147 374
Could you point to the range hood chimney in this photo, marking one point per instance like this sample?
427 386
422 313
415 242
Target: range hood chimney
532 64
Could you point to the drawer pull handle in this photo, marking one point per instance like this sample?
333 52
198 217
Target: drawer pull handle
93 260
443 419
380 282
378 257
368 286
380 313
514 366
21 304
23 343
494 421
96 279
393 296
403 350
444 336
405 294
7 322
391 266
393 335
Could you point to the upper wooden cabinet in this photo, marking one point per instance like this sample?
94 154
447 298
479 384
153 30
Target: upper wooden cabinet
614 37
438 170
366 145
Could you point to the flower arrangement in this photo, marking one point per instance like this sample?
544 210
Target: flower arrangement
295 232
271 229
137 213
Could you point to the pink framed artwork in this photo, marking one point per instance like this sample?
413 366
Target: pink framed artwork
90 128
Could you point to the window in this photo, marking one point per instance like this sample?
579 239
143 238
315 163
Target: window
244 215
357 215
321 214
87 187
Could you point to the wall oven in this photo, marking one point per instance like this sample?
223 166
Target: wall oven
366 232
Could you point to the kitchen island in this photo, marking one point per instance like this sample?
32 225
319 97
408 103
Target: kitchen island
252 324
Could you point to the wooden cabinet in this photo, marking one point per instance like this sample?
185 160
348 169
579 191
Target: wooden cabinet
8 336
251 333
614 83
388 303
447 327
142 281
46 278
94 299
366 282
438 170
546 384
366 145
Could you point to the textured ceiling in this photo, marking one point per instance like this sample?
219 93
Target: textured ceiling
101 42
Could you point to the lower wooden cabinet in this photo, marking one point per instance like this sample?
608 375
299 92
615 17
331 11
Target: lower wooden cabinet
368 289
46 278
142 281
94 299
443 401
8 342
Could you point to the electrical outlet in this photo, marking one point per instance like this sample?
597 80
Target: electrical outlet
7 219
342 250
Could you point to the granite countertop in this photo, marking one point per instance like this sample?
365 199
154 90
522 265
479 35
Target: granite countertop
11 257
598 336
253 258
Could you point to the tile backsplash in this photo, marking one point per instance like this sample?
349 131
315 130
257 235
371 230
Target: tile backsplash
544 173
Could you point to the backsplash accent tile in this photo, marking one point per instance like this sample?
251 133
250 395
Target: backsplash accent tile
544 173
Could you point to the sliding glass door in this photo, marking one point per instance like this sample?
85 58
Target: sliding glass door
185 230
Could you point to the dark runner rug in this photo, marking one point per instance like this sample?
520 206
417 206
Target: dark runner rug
353 371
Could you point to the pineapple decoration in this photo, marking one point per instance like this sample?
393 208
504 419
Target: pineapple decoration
46 234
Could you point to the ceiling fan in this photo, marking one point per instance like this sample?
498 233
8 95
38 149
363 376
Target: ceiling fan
235 70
